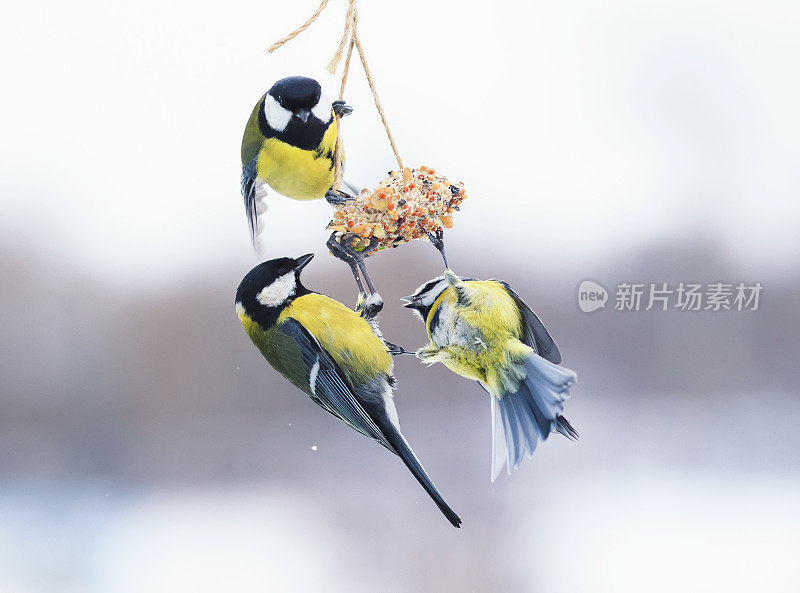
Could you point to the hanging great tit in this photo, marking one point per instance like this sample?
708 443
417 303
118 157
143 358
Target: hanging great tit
330 352
483 330
288 143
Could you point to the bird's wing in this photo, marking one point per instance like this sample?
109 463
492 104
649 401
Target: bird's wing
252 192
329 387
534 333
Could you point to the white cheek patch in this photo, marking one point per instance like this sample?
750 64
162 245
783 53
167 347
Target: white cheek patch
430 290
322 110
429 298
431 295
278 292
277 117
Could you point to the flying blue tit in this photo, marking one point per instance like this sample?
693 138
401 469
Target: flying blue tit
288 144
330 352
483 330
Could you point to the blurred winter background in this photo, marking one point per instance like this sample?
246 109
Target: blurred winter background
146 446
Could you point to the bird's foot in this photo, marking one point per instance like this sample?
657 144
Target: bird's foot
437 239
337 198
341 108
396 350
345 251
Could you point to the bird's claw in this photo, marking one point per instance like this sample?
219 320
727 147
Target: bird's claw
345 251
341 108
337 198
437 238
396 350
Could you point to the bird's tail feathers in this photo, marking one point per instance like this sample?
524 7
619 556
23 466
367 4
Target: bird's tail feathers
353 188
564 427
255 205
404 451
522 419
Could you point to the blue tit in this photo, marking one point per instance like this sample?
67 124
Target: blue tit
288 144
330 352
483 330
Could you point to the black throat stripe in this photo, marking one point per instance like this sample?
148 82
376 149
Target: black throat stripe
304 135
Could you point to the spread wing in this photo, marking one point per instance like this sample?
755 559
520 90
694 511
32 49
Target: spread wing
329 387
534 333
252 192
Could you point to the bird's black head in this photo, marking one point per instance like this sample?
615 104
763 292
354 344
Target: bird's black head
296 92
295 97
270 286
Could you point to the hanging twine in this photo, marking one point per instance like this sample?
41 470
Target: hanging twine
350 22
338 153
299 29
350 34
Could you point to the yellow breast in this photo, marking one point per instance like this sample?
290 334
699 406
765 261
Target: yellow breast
296 173
491 309
346 336
494 318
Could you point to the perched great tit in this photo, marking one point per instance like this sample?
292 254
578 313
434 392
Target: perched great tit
330 352
483 330
288 144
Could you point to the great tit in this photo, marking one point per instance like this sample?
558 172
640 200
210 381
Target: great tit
483 330
288 143
330 352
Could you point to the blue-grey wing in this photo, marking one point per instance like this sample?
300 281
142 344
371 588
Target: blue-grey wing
534 333
329 387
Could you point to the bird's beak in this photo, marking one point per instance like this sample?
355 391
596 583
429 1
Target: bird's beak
302 261
303 114
409 302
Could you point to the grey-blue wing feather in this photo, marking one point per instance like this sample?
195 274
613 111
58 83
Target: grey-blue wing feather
329 387
534 333
249 175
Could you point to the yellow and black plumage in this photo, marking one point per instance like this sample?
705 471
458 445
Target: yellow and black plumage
484 331
289 143
331 353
